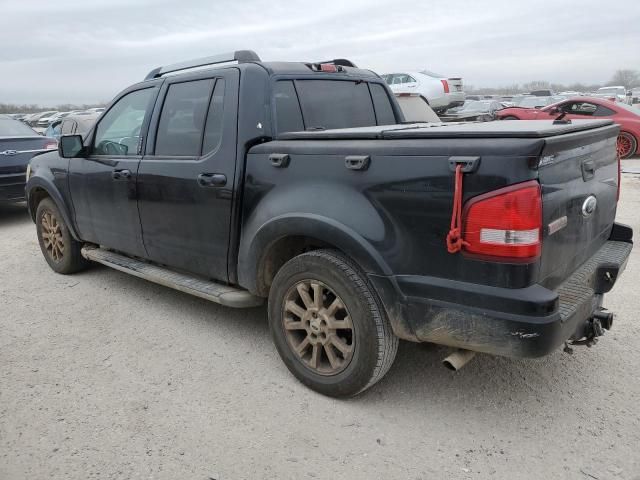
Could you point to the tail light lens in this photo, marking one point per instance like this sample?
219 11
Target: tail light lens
505 223
328 67
50 145
445 84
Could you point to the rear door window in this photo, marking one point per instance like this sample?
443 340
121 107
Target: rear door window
213 125
181 125
335 104
382 105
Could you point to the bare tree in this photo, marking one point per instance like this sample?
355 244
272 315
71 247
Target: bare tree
536 85
625 77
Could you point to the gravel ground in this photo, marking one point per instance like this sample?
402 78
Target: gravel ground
107 376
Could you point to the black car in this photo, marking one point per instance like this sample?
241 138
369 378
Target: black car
299 183
18 143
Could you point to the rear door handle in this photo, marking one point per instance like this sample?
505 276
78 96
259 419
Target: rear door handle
121 174
212 180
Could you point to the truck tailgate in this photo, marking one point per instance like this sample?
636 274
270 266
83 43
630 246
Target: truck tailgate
578 173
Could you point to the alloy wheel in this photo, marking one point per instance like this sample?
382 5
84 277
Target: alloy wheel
624 145
52 236
318 327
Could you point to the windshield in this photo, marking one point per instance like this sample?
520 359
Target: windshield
13 128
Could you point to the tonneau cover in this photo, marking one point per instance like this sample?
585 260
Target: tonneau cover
496 129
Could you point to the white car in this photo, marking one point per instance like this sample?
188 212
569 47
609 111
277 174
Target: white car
440 92
618 92
44 122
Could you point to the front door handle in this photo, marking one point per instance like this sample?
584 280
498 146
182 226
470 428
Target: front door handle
212 180
121 174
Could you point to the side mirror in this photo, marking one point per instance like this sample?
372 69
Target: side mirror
70 146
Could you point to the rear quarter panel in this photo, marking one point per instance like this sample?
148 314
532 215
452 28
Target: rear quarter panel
393 217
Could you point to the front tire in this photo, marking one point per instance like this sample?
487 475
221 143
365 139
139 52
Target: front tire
509 117
59 248
328 324
626 145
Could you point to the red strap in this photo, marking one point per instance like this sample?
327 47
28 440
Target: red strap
455 242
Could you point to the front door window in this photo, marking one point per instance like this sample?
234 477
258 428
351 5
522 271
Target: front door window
118 132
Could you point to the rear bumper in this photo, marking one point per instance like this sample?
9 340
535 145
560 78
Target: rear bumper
527 322
12 188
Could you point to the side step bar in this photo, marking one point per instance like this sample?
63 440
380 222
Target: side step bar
215 292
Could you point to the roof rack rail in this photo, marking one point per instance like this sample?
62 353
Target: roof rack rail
240 56
343 62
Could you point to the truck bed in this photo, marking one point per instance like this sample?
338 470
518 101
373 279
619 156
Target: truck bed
401 205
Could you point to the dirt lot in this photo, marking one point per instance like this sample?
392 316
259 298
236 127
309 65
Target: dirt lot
107 376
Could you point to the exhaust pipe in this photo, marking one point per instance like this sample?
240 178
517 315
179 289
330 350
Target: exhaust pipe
458 359
606 318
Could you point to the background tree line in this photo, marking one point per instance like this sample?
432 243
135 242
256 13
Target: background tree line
627 78
33 108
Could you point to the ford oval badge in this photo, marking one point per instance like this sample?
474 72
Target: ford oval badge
589 206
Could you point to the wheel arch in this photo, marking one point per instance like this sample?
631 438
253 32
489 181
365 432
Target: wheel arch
39 188
286 236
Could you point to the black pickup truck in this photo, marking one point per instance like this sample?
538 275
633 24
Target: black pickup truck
238 180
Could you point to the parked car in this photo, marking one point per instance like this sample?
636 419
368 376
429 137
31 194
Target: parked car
18 144
474 110
532 101
616 93
543 92
46 121
439 91
575 108
78 123
33 120
298 183
96 109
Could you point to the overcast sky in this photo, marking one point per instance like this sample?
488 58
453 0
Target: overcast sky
83 51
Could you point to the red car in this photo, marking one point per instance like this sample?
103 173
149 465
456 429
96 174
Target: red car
587 107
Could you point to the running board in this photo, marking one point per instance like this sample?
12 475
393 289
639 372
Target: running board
215 292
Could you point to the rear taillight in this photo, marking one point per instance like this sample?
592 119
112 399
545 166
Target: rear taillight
505 223
445 84
51 145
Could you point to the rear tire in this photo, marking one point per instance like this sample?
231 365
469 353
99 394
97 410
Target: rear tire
328 324
626 145
510 117
59 248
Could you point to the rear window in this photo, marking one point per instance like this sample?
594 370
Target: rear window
327 104
13 128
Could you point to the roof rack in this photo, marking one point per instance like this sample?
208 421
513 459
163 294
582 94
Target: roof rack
240 56
340 61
